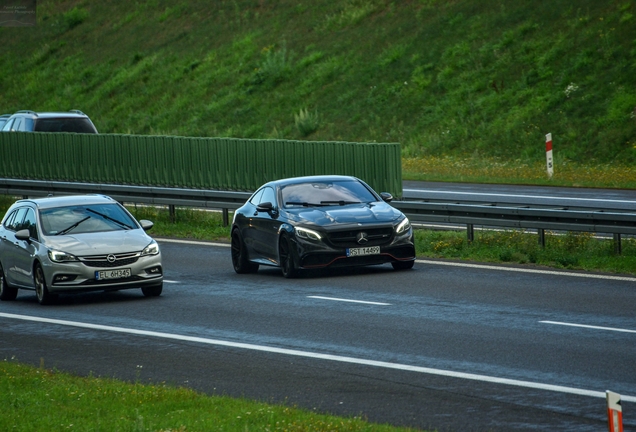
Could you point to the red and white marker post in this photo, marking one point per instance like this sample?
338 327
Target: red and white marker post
614 412
548 154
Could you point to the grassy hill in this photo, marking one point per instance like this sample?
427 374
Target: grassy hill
477 78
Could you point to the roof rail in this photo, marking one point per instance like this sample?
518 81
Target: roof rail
27 112
76 111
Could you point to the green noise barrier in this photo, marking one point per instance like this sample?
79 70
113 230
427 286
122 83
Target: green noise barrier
189 162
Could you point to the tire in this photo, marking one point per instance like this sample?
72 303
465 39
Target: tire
152 291
239 255
286 257
7 293
41 290
402 265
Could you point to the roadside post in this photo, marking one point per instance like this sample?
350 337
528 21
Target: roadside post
614 412
548 154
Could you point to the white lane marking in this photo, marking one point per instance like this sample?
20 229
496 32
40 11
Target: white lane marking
589 326
523 270
349 300
518 196
452 264
170 281
330 357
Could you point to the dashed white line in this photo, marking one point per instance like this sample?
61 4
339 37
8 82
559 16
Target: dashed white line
349 300
330 357
589 326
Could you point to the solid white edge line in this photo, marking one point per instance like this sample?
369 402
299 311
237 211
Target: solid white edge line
589 326
518 196
522 270
342 359
452 264
349 300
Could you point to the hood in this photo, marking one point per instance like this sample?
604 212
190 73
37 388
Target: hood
100 243
378 212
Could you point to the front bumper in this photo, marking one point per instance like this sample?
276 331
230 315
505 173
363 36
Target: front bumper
312 254
78 277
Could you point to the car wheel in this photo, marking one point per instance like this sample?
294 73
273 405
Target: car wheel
286 256
152 291
41 290
6 292
239 255
402 265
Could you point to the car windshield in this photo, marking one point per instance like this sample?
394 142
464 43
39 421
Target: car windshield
85 219
321 193
78 125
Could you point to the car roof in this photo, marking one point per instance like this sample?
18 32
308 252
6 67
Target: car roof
68 200
314 178
51 114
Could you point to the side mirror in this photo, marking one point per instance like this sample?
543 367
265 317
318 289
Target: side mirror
23 235
146 224
386 197
265 207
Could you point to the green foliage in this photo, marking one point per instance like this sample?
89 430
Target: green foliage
67 402
307 122
581 251
75 17
466 78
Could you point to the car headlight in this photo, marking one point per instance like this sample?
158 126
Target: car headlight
307 234
61 257
403 226
151 249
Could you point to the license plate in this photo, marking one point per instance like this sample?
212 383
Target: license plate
373 250
112 274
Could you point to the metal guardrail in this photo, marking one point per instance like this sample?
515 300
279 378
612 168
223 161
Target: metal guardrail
466 213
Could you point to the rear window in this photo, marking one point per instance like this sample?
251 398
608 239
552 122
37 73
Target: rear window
77 125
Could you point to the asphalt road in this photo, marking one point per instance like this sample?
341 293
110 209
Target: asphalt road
456 348
606 199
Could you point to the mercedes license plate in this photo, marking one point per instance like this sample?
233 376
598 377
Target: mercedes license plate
112 274
373 250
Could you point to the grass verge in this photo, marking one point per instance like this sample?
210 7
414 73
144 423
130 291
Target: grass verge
36 399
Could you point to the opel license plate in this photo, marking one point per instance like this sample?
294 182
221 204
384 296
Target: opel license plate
112 274
373 250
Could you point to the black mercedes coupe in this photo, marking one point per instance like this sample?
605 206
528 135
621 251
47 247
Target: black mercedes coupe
317 222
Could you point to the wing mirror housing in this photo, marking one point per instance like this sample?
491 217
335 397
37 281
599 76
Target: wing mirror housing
23 235
267 207
386 197
146 225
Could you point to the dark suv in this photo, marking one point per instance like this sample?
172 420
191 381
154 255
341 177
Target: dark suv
30 121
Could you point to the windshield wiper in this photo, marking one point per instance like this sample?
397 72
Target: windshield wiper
121 224
341 202
304 204
75 225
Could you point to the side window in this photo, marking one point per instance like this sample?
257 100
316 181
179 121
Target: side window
268 196
27 125
17 125
7 127
256 199
29 223
8 223
16 223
